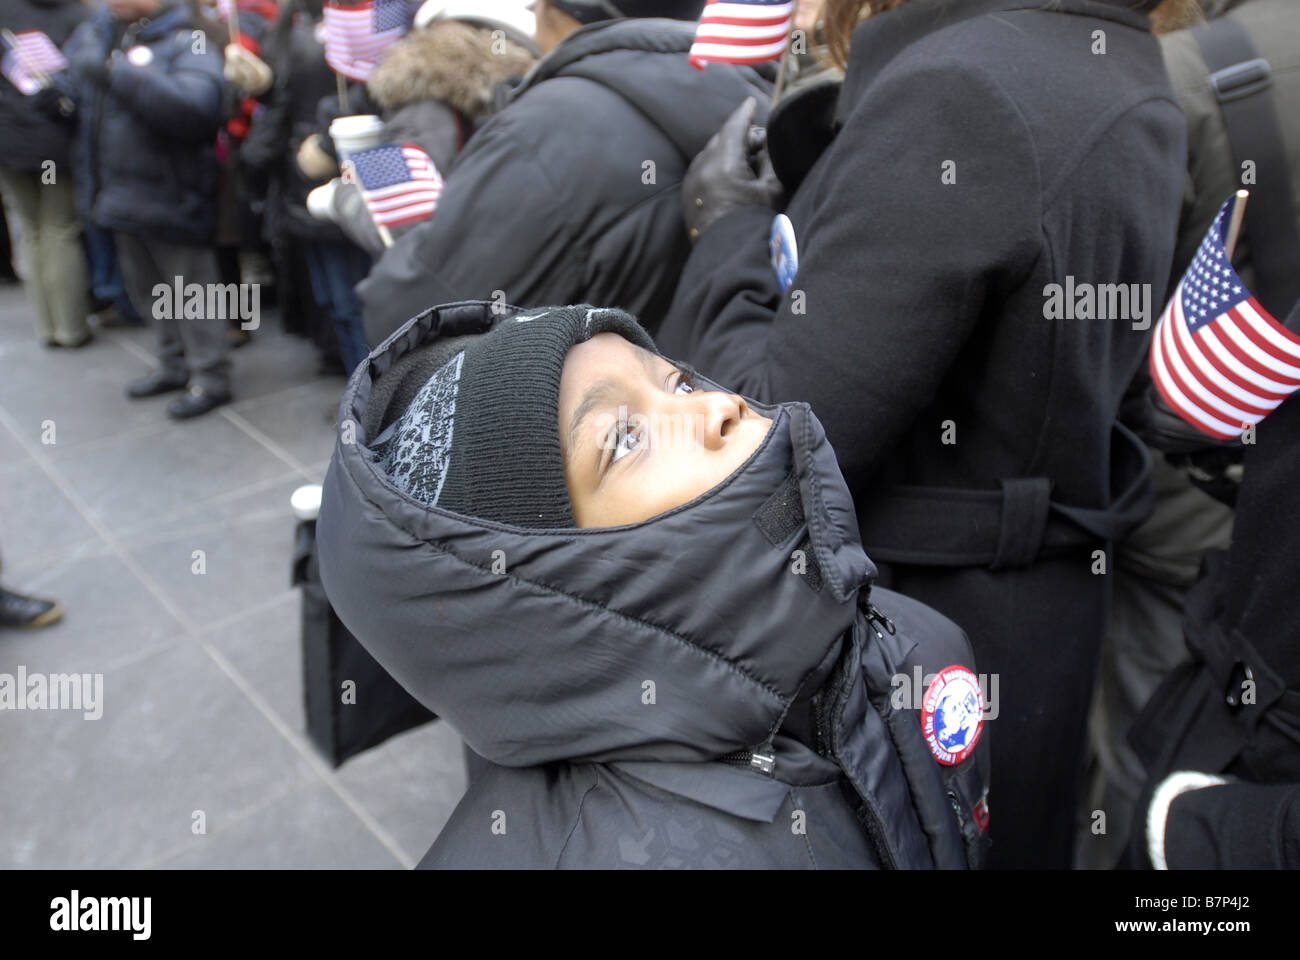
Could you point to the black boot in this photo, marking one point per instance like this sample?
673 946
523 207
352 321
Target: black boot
152 384
17 610
196 402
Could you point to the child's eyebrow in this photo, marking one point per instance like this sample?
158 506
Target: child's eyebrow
592 398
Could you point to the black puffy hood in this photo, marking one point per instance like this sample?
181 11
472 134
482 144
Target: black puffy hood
542 645
665 89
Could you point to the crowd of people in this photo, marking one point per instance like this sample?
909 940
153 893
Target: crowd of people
866 237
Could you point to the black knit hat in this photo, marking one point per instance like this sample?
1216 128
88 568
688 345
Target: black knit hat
593 11
481 434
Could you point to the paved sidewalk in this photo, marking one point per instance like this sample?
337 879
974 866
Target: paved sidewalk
103 502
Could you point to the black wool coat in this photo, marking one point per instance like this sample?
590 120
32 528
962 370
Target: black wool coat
982 151
28 137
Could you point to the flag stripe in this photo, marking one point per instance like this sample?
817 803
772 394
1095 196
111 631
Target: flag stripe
1243 347
1201 382
741 33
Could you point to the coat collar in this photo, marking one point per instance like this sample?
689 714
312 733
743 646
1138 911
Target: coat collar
878 39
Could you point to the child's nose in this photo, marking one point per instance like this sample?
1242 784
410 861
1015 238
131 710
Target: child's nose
722 413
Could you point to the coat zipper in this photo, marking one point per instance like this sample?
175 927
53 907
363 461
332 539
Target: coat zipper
763 759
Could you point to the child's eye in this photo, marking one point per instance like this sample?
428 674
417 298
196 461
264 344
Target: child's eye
627 442
685 381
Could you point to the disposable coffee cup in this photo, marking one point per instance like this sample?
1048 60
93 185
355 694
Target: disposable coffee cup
305 502
353 134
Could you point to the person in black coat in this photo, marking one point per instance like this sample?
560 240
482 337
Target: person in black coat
986 161
1233 710
36 179
571 192
149 103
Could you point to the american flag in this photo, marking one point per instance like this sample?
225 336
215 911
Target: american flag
33 55
399 184
1219 359
357 35
741 31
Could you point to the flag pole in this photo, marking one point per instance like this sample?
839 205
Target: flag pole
341 85
780 73
1234 225
232 21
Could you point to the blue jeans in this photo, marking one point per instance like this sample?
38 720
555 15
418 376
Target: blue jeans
105 275
335 268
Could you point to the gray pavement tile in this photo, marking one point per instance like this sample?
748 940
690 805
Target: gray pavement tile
301 421
37 521
142 477
273 361
247 548
410 783
109 616
265 647
79 392
310 828
12 454
176 736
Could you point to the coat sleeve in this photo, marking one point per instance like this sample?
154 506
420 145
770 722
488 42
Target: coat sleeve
180 98
501 225
926 214
1236 825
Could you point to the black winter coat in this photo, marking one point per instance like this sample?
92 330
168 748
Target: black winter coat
302 80
605 672
552 201
1242 632
982 150
28 137
145 157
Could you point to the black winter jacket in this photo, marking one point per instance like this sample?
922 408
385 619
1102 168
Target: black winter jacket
552 201
302 80
1235 707
145 158
28 137
606 672
982 150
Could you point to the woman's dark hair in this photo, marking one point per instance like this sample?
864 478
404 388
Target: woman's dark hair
841 17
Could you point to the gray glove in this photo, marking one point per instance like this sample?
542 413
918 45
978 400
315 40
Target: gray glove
732 171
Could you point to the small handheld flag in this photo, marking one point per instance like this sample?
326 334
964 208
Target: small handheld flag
399 184
1218 358
356 36
742 31
31 58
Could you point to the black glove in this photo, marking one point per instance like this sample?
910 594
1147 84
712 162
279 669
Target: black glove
732 171
52 102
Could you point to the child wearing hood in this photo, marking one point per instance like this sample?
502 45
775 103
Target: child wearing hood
643 599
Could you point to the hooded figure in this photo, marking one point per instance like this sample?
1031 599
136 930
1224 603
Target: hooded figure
572 191
711 683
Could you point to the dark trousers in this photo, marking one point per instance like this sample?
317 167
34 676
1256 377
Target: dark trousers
193 347
336 267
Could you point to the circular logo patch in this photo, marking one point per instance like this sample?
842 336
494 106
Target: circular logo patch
952 714
140 56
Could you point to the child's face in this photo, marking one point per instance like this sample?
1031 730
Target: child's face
638 440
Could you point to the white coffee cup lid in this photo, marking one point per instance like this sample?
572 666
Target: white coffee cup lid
306 502
362 126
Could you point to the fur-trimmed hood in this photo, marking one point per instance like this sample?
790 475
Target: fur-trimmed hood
449 61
